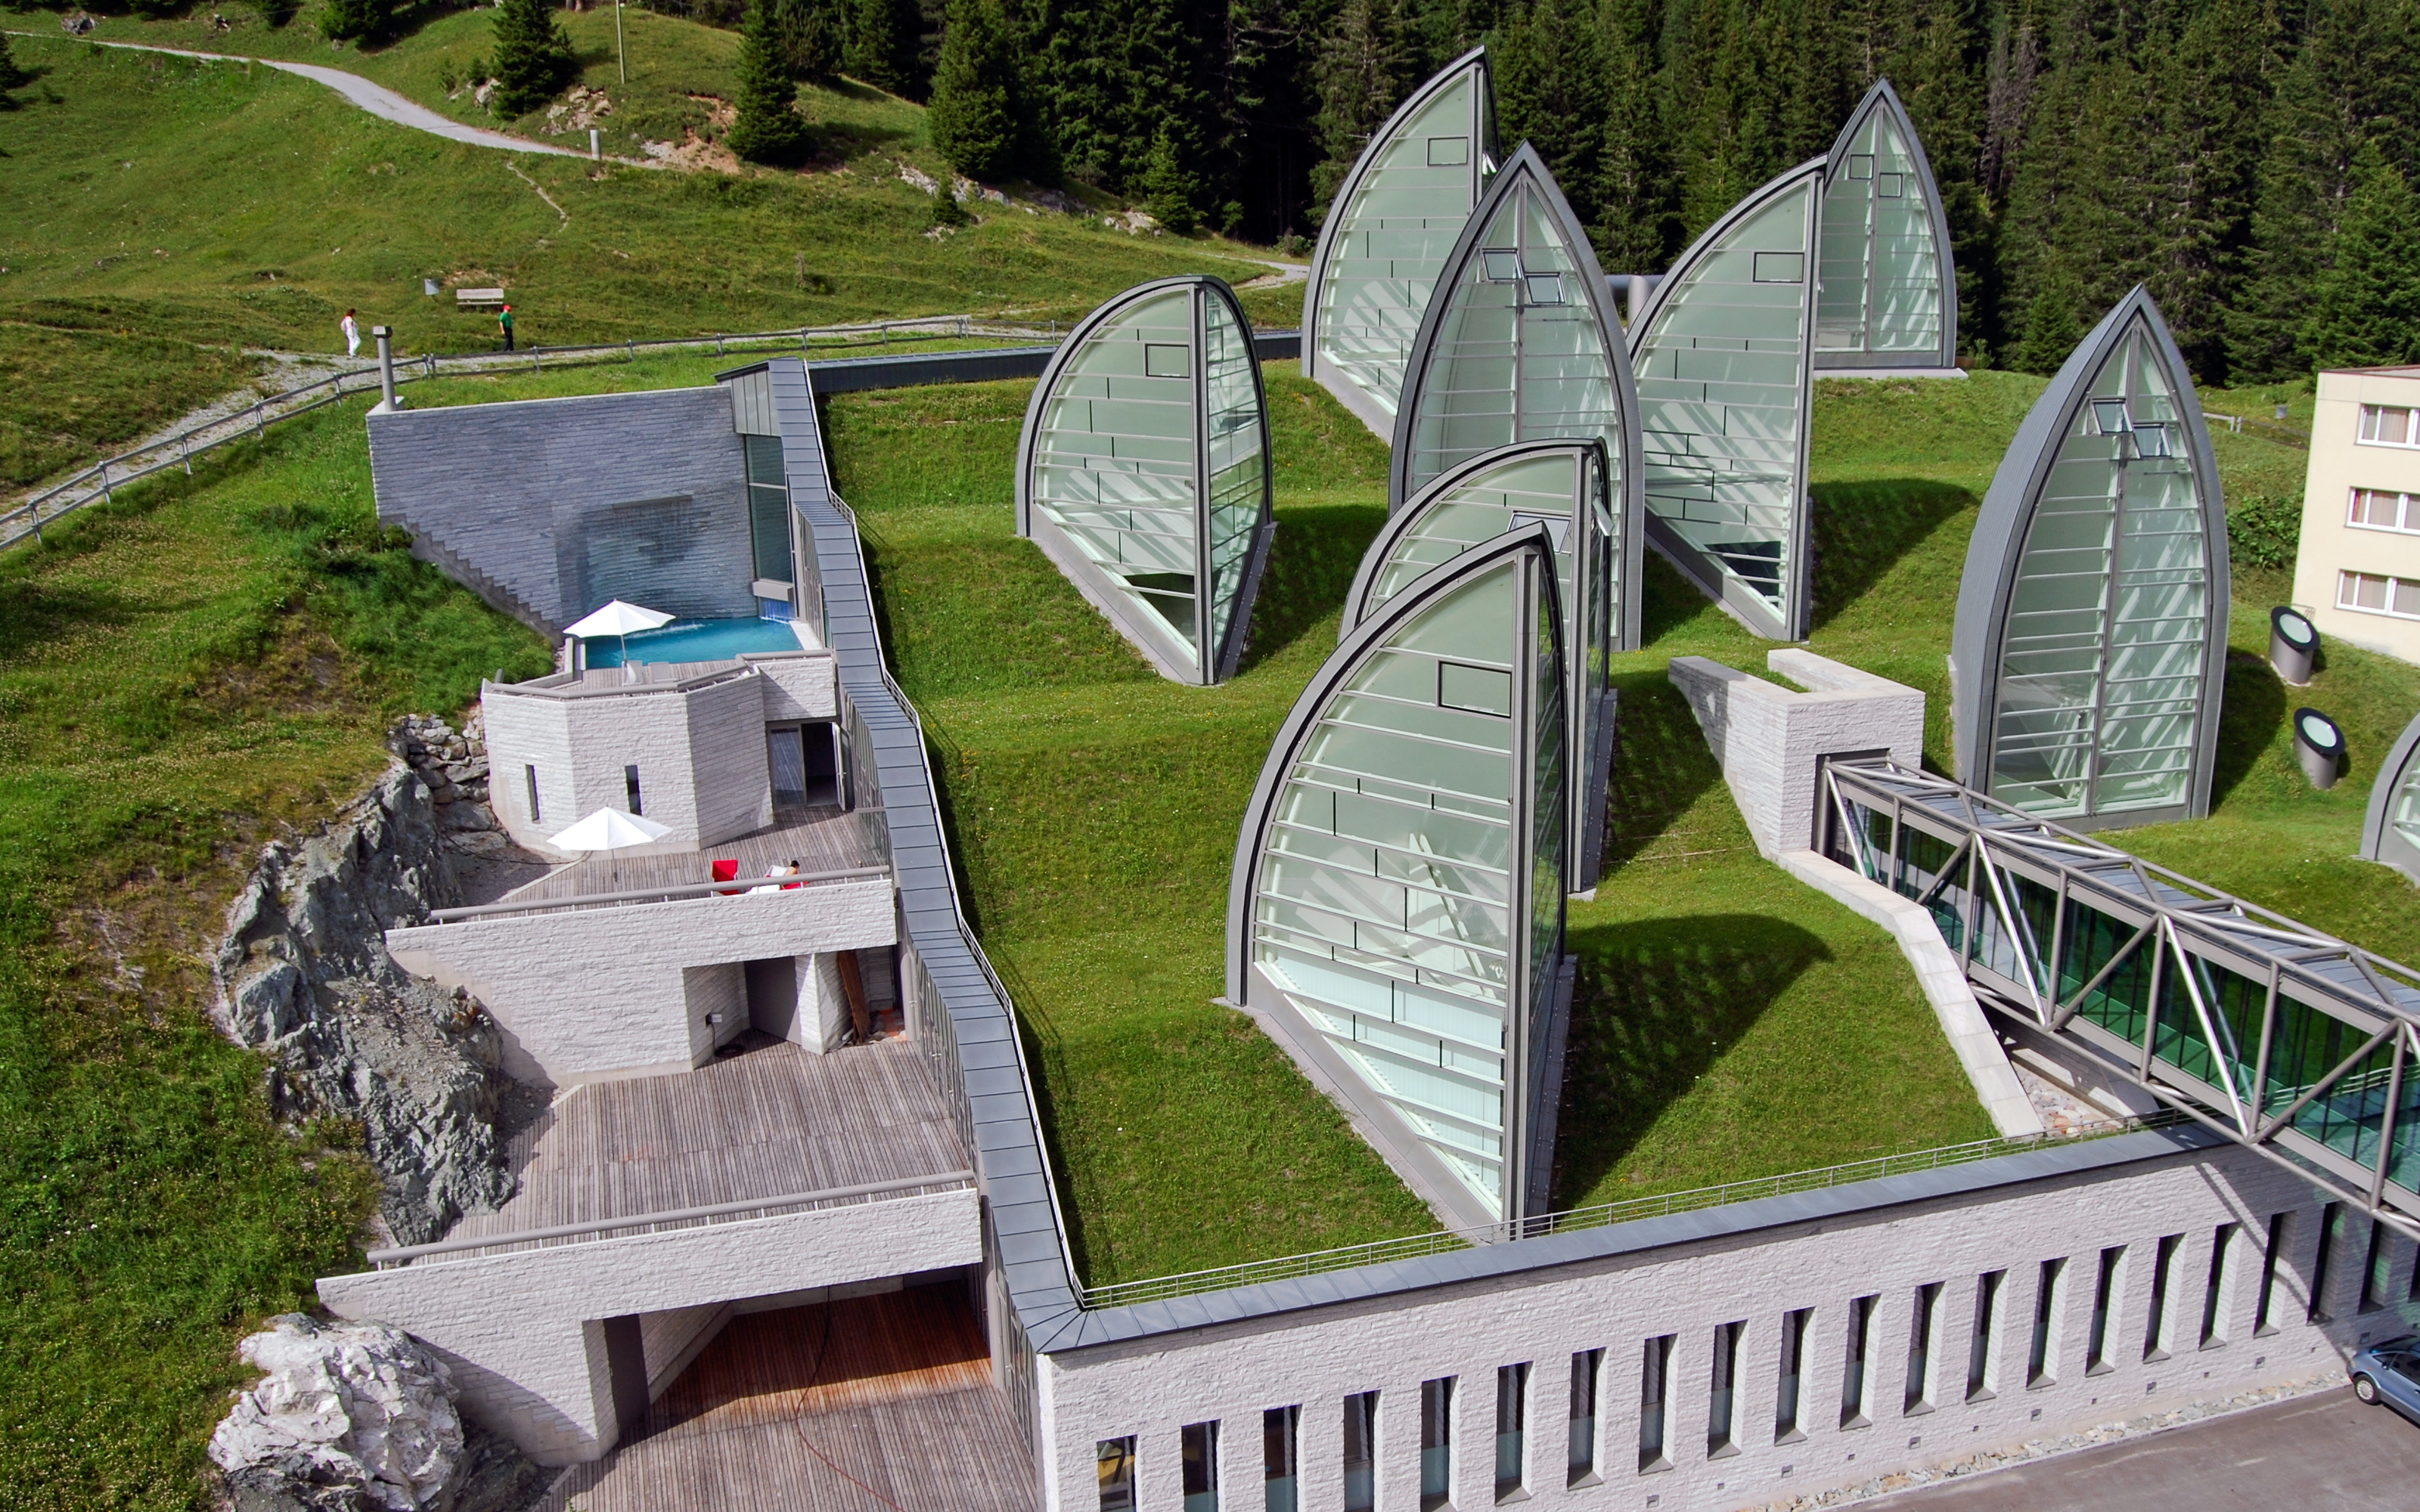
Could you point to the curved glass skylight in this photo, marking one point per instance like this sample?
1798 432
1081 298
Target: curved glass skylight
2390 833
1520 343
1394 219
1888 294
1144 456
1721 352
1396 911
2091 625
1562 486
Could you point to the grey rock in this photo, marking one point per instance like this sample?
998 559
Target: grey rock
304 974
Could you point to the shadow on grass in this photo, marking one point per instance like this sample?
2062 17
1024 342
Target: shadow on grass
1863 529
2250 717
33 612
1657 1003
1312 562
1661 764
1668 602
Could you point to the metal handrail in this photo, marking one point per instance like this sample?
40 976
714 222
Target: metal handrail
679 889
103 478
644 1220
1629 1209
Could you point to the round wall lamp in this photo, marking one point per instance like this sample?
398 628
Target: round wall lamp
2293 644
2320 745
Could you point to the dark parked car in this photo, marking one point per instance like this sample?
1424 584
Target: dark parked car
2390 1373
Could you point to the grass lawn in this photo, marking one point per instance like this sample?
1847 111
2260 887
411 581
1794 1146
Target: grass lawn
152 207
183 675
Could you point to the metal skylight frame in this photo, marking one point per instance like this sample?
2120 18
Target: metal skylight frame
1165 510
2028 904
1361 360
1560 306
2058 444
1725 497
2390 830
1846 169
1403 882
1597 560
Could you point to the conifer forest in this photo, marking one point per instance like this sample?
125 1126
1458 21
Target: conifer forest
2250 159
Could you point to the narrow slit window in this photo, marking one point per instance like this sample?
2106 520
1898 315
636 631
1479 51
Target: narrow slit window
2214 1297
1512 1437
2041 1362
1919 1350
1361 1452
2155 1326
1280 1472
1437 1443
2317 1310
530 774
2271 1253
2373 1269
1199 1448
1656 1369
1722 1390
631 789
1852 1377
1793 1361
1982 1353
1581 1463
2104 1298
1113 1461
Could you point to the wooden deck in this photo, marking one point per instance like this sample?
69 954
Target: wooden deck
771 1123
819 839
876 1403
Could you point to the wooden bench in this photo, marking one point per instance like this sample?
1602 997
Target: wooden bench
478 298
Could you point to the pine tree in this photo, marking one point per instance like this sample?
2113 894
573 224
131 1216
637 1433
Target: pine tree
766 127
812 33
346 21
2366 306
1169 190
2053 323
1550 92
1365 69
882 43
533 56
976 93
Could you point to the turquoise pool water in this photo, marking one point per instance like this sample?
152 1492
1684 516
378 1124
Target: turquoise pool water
694 641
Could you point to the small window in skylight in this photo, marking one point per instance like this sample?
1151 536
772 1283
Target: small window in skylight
2109 417
1890 186
1861 166
1475 689
1503 264
1545 289
1449 151
1780 267
2151 441
1166 360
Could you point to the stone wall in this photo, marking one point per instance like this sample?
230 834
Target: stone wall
303 973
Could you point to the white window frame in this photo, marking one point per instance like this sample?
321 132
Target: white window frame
2411 424
2346 577
2408 509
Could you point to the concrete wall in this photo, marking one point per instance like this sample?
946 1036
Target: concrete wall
557 505
592 994
522 1330
1685 1277
2331 544
699 746
1771 740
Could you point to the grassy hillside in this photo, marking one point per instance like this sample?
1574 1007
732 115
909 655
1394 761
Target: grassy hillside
157 212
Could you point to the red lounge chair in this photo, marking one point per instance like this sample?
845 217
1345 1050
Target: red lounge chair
727 872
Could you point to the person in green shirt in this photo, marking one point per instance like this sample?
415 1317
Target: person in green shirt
504 323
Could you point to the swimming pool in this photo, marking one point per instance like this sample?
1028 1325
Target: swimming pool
694 641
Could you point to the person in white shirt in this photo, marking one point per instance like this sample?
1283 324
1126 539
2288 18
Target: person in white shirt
352 336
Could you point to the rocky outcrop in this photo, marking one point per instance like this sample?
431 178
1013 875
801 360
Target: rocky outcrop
358 1417
303 973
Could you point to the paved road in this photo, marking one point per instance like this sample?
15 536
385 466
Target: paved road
376 98
2324 1453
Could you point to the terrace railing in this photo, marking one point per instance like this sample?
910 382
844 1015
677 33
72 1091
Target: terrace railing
674 892
25 518
1601 1215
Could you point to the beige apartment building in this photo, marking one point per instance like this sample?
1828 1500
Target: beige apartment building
2358 570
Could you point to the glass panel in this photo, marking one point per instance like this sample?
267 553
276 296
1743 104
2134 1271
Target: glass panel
2122 1002
1238 469
1721 395
2306 1046
769 507
1511 1415
1580 1458
1516 359
1386 908
2234 1005
2100 664
1198 1446
1280 1476
1881 286
1113 465
1655 1372
1360 1452
1114 1467
1411 197
1437 1443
